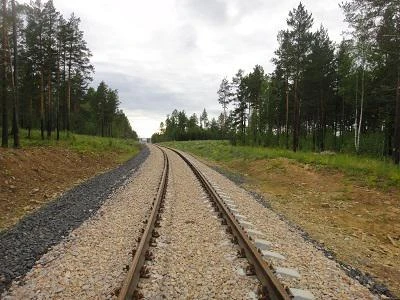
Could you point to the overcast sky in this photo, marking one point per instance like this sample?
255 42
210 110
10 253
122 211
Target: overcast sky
168 54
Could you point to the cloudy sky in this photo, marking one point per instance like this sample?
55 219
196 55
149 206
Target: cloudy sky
169 54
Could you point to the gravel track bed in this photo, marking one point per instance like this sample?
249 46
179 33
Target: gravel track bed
90 262
323 277
22 245
194 257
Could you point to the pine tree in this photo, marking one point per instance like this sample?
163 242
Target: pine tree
284 66
254 82
4 69
77 60
358 15
224 95
239 100
50 28
299 38
319 76
204 119
61 44
15 85
345 79
35 52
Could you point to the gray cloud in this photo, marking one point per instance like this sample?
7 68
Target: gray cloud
212 11
137 93
187 35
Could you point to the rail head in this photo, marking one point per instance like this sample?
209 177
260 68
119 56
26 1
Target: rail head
132 279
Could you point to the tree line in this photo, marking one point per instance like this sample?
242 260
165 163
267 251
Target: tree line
179 127
321 95
45 73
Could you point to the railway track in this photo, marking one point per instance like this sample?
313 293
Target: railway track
253 249
191 255
137 268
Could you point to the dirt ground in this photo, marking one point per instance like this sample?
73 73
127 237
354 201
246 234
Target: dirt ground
360 225
31 177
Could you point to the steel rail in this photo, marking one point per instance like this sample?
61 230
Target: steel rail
131 281
272 287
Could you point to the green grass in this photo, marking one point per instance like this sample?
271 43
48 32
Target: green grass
85 144
368 171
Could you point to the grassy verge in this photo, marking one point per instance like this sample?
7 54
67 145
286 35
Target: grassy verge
84 144
367 171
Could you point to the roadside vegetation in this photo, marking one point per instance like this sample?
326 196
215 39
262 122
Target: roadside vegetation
120 148
365 170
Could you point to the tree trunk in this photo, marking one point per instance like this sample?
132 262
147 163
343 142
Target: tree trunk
68 108
64 106
322 123
342 127
42 105
58 98
335 126
314 133
4 136
49 108
15 78
361 110
396 140
102 127
69 104
356 117
287 116
30 117
296 121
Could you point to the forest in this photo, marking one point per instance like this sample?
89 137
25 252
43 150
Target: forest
179 127
321 96
45 72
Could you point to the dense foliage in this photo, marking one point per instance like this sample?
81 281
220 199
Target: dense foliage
179 127
322 96
45 73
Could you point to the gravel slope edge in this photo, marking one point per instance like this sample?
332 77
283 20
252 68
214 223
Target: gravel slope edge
23 244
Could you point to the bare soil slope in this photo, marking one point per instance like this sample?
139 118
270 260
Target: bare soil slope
31 177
